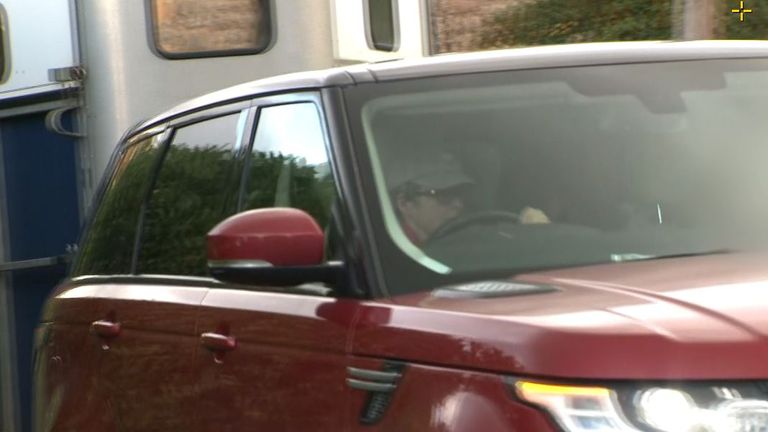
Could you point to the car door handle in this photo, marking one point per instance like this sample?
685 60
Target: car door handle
105 329
218 342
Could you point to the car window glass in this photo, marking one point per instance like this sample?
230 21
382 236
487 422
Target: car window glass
288 165
506 172
108 246
195 189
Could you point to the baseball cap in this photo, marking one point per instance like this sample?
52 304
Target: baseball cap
438 171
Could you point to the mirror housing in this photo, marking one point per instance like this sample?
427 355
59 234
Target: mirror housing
271 246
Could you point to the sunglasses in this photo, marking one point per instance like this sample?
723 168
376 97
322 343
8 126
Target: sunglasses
445 196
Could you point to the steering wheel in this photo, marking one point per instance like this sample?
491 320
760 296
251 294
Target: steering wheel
480 218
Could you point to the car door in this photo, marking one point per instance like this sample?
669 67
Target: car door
70 392
285 366
148 317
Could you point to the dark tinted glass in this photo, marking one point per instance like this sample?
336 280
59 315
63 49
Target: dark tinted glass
195 189
381 18
289 164
108 246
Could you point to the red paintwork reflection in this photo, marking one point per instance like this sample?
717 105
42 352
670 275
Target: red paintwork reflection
138 380
148 370
448 400
288 370
692 318
69 392
280 236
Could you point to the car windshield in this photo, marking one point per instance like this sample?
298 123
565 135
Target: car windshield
504 172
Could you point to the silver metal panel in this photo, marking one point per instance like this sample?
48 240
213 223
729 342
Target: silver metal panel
128 82
351 31
32 263
40 38
36 108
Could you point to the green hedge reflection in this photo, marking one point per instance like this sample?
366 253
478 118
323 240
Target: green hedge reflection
195 190
108 245
545 22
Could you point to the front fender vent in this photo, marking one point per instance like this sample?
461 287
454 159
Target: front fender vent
380 384
490 289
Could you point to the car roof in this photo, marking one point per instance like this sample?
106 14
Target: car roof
552 56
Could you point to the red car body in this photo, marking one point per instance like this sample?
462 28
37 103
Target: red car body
689 318
146 352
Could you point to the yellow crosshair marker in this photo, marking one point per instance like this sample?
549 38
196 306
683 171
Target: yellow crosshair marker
741 11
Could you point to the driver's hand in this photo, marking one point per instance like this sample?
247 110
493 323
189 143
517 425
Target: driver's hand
530 215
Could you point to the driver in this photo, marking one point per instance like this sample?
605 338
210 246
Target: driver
430 193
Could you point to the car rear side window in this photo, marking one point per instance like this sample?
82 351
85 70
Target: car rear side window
195 189
109 242
288 164
194 28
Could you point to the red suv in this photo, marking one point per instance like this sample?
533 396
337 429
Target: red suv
548 239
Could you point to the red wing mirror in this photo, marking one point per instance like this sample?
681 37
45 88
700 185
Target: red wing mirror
264 237
272 246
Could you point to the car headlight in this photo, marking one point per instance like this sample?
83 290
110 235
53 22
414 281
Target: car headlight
739 407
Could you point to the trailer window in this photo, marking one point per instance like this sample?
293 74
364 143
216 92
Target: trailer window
382 24
192 28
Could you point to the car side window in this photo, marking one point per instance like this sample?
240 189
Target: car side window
289 164
195 189
107 247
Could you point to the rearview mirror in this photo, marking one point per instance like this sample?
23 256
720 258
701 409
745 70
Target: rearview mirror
272 246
